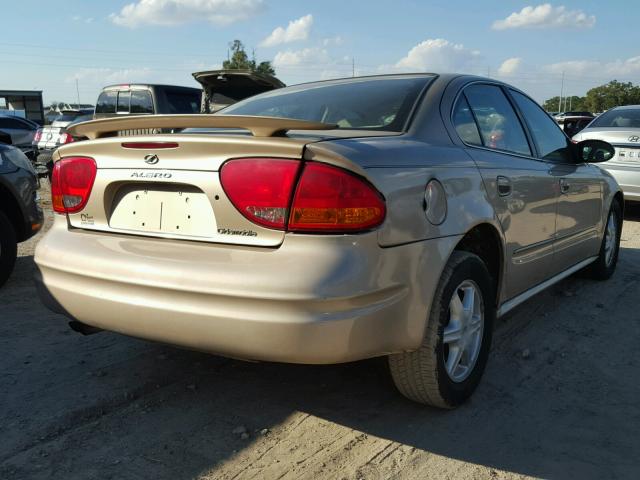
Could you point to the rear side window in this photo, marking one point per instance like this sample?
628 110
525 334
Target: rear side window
551 143
499 125
179 101
141 102
107 102
123 102
465 124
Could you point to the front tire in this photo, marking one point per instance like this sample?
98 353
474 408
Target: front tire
8 248
448 366
605 265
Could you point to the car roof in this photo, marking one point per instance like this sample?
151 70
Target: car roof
147 85
626 107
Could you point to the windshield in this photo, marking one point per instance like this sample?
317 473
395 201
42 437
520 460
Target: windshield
367 104
618 118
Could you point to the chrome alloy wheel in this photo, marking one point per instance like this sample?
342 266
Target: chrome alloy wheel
610 237
462 336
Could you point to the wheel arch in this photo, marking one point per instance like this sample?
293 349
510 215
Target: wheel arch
485 240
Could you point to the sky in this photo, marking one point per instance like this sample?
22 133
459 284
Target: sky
49 46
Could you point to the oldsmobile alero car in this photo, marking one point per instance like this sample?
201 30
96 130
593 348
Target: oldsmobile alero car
329 222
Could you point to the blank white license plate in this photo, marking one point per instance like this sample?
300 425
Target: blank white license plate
629 155
163 209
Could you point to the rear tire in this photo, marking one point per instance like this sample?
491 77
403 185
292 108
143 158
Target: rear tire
8 248
605 265
431 375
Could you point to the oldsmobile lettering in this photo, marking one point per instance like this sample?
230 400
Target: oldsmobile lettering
243 233
150 175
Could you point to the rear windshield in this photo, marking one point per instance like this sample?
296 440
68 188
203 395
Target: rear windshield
182 101
367 104
620 118
107 102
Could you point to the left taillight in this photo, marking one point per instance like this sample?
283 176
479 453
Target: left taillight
71 183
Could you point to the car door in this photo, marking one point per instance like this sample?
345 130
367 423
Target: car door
520 186
580 188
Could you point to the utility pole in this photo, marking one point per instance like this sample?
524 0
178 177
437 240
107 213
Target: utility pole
78 93
353 66
489 72
561 93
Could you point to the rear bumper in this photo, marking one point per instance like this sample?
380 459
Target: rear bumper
628 177
313 300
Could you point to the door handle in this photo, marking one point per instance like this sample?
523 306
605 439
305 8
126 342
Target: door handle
564 186
504 186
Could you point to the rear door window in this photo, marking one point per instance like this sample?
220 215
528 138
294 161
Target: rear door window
551 143
107 102
499 125
465 124
141 102
124 98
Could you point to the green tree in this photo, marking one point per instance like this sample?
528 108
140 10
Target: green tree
239 60
613 94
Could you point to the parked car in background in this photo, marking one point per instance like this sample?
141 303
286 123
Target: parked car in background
22 132
574 124
51 137
146 99
406 212
561 116
619 126
20 214
221 88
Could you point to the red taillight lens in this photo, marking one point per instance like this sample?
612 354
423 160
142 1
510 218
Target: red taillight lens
327 199
330 199
37 136
260 188
65 138
71 183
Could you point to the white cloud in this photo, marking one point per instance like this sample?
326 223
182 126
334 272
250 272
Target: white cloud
177 12
296 30
438 55
510 66
592 68
310 56
337 40
106 76
79 18
546 16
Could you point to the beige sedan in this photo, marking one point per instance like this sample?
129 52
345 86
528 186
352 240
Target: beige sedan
330 222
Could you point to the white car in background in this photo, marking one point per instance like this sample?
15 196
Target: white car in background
620 127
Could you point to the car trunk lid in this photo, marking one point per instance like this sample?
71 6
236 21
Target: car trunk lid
169 185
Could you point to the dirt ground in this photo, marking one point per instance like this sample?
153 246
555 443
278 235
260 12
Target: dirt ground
559 400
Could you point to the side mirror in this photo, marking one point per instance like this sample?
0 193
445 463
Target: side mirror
594 151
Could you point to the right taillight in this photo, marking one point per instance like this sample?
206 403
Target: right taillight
71 183
321 198
38 136
332 200
65 138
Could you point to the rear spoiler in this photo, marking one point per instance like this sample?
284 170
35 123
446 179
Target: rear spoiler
258 126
